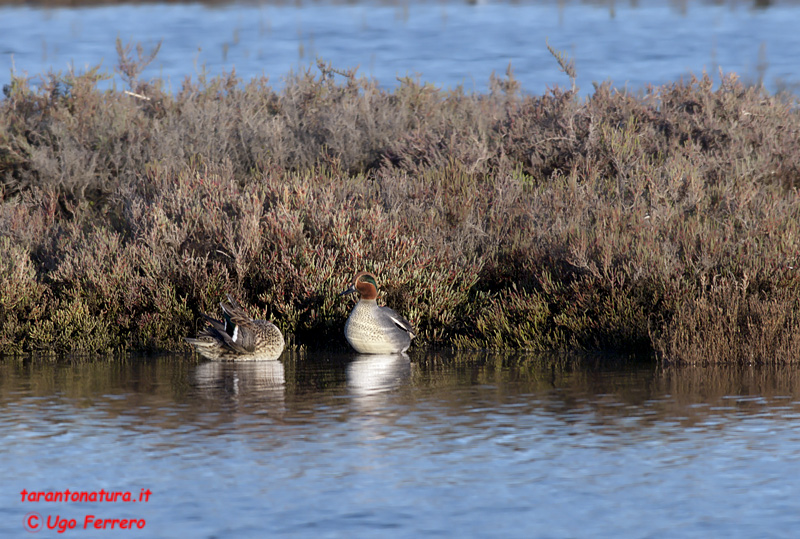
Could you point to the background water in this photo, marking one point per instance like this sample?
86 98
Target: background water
469 445
445 43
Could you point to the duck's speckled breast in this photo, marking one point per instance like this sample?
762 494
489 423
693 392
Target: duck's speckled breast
369 332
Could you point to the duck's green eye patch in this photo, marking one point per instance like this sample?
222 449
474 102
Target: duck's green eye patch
370 280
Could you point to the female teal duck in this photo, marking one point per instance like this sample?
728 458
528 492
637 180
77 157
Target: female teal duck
237 337
372 329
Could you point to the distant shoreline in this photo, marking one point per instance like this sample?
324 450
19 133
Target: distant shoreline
611 4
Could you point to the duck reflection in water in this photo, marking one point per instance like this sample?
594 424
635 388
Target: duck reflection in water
372 374
251 381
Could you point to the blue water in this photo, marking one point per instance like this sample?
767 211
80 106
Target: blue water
343 446
445 43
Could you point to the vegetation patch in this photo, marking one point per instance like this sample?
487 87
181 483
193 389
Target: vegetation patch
666 222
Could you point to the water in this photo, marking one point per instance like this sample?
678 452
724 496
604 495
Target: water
445 43
475 445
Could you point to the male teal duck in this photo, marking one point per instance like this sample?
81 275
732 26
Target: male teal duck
237 337
372 329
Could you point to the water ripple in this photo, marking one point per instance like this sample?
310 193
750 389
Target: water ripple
404 448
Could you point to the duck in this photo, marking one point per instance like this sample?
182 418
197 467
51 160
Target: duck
237 337
371 328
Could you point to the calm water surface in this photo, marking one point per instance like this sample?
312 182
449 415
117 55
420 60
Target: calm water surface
437 445
448 43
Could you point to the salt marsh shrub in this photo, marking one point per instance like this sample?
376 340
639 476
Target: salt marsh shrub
665 223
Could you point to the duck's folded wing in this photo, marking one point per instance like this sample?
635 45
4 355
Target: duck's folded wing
240 327
399 321
218 330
